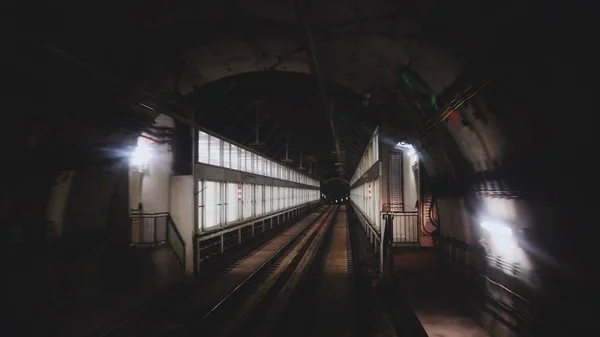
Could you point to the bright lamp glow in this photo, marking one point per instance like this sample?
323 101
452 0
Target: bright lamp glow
411 152
142 155
496 228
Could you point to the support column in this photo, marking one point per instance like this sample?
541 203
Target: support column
190 110
239 236
222 244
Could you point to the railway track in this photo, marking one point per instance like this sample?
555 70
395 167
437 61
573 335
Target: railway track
308 281
315 288
261 292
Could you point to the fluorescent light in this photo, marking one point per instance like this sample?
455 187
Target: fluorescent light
147 107
496 228
141 155
410 149
404 145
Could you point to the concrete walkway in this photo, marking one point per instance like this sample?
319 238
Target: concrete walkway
101 288
438 301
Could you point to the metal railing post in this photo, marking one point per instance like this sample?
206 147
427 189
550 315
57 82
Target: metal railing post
147 221
155 230
167 225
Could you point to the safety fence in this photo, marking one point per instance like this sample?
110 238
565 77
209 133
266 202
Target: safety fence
153 229
487 274
405 228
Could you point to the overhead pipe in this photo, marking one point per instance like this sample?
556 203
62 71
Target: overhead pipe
314 66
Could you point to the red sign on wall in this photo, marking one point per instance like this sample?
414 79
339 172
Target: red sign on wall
239 192
369 190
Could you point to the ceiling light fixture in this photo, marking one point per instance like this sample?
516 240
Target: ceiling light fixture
497 228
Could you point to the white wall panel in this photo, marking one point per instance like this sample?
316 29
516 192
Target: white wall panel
226 155
203 140
214 151
235 157
247 192
370 207
260 202
210 204
232 202
369 158
218 152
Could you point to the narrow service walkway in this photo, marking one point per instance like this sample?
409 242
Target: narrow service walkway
437 299
101 287
333 311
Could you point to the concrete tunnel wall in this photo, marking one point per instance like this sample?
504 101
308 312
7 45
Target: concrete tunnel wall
478 138
155 189
96 205
96 202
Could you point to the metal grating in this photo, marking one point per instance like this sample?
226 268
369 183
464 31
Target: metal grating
405 228
395 182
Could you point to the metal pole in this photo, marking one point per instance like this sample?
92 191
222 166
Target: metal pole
195 194
314 66
402 179
167 226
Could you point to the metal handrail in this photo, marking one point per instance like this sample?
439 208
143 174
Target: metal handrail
135 214
211 233
402 212
514 311
169 226
366 225
171 222
493 259
404 230
362 215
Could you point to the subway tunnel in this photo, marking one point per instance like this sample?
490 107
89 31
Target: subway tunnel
493 98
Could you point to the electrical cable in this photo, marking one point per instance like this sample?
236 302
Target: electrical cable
431 217
452 106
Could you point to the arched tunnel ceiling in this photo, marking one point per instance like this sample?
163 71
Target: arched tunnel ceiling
360 44
412 56
289 107
381 47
